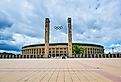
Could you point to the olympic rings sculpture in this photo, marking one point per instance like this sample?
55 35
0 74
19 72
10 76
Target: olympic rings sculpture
58 27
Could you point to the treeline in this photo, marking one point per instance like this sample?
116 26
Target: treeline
6 53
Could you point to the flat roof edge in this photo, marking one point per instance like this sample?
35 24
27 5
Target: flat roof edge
54 44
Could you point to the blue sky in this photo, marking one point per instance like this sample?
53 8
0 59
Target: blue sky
94 21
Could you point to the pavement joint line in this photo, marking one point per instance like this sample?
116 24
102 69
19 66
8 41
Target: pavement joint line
104 70
105 74
51 75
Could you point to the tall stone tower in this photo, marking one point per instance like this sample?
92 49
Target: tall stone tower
47 28
69 37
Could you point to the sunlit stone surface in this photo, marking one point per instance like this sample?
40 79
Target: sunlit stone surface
60 70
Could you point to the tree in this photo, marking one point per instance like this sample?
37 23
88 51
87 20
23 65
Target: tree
77 50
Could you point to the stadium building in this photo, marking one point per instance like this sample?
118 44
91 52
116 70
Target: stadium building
59 49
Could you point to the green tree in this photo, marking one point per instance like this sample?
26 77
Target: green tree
77 50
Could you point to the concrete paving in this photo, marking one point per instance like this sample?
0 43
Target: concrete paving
60 70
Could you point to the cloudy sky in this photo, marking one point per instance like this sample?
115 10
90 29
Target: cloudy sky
94 21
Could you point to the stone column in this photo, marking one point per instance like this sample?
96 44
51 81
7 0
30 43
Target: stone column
69 38
38 51
59 51
51 52
47 25
41 51
63 51
30 51
55 51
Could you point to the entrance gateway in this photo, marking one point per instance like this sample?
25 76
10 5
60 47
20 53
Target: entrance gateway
47 33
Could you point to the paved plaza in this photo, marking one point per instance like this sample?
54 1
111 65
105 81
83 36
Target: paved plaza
60 70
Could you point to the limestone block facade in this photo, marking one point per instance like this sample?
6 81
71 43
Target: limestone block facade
60 49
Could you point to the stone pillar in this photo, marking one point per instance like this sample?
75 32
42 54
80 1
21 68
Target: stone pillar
30 51
38 51
41 51
47 25
69 38
59 51
55 51
63 51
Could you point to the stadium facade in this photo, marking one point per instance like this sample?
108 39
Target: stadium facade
59 49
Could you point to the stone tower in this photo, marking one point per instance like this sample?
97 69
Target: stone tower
47 28
69 37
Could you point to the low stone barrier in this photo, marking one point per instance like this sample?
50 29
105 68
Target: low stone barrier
74 56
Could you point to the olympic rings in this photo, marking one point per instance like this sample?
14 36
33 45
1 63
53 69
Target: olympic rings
58 27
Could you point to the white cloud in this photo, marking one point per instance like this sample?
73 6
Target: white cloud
58 37
113 48
25 40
